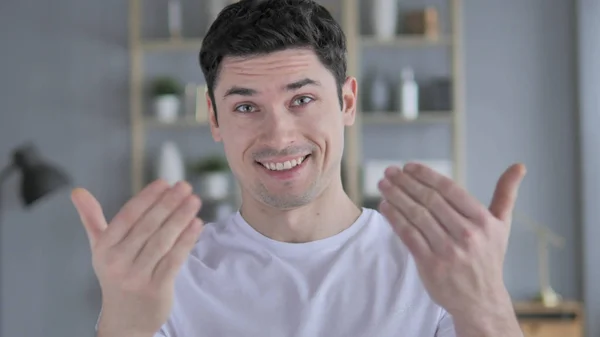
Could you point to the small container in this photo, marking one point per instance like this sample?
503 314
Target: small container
409 95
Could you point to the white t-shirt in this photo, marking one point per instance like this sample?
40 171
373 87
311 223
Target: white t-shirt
361 282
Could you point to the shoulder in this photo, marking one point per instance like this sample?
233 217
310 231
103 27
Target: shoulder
377 240
216 234
380 228
402 272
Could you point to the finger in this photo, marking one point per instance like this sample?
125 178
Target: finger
90 213
154 218
505 195
456 196
162 241
416 214
456 224
131 212
170 264
412 237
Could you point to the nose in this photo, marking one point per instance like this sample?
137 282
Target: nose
279 128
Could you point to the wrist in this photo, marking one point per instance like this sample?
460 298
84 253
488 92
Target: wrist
106 333
497 324
492 318
106 329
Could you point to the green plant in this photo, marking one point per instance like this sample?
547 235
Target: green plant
210 164
166 86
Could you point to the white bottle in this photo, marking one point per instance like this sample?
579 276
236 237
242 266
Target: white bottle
409 95
170 165
384 18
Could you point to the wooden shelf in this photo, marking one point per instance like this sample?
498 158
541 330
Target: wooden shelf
172 44
406 41
178 124
392 117
536 320
534 307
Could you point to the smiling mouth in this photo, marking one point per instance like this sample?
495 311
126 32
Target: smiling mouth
285 165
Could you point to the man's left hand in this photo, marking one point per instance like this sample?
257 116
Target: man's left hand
458 244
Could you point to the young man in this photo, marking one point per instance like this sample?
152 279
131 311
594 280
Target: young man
299 258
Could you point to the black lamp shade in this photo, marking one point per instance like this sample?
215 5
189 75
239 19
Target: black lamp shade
38 178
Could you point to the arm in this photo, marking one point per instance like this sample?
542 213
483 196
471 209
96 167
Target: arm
138 255
495 323
103 333
458 244
499 322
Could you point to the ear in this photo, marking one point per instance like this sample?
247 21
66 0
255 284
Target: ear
212 118
349 98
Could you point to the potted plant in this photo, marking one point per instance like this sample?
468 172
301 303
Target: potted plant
166 94
212 175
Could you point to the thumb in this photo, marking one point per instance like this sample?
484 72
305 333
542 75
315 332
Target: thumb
506 191
90 212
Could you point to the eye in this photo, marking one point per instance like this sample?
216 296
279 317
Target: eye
302 100
244 108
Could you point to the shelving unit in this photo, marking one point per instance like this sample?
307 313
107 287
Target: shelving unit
405 41
191 44
390 117
454 119
356 43
141 123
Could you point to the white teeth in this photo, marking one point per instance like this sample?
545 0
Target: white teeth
285 165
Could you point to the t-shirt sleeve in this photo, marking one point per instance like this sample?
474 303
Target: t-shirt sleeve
161 333
445 326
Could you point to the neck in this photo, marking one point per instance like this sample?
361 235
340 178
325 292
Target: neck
328 214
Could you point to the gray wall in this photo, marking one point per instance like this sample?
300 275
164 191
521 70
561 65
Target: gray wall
589 81
64 67
521 106
64 86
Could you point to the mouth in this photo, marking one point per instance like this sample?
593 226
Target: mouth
289 165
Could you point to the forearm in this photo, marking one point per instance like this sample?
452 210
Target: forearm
106 333
106 329
498 325
117 334
496 321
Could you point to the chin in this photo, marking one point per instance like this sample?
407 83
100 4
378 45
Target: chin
286 202
286 198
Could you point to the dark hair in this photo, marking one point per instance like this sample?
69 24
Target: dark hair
255 27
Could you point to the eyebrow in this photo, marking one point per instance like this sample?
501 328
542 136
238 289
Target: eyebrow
239 91
235 90
299 84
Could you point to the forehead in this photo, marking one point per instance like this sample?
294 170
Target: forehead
272 69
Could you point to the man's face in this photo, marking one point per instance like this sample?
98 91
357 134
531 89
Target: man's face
281 125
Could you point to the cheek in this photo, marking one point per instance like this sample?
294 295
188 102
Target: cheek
328 124
234 141
235 144
327 131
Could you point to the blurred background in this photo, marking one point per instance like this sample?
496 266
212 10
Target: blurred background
108 95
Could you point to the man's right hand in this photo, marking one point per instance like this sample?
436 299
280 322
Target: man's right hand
138 255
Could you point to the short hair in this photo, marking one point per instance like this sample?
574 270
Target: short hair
258 27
